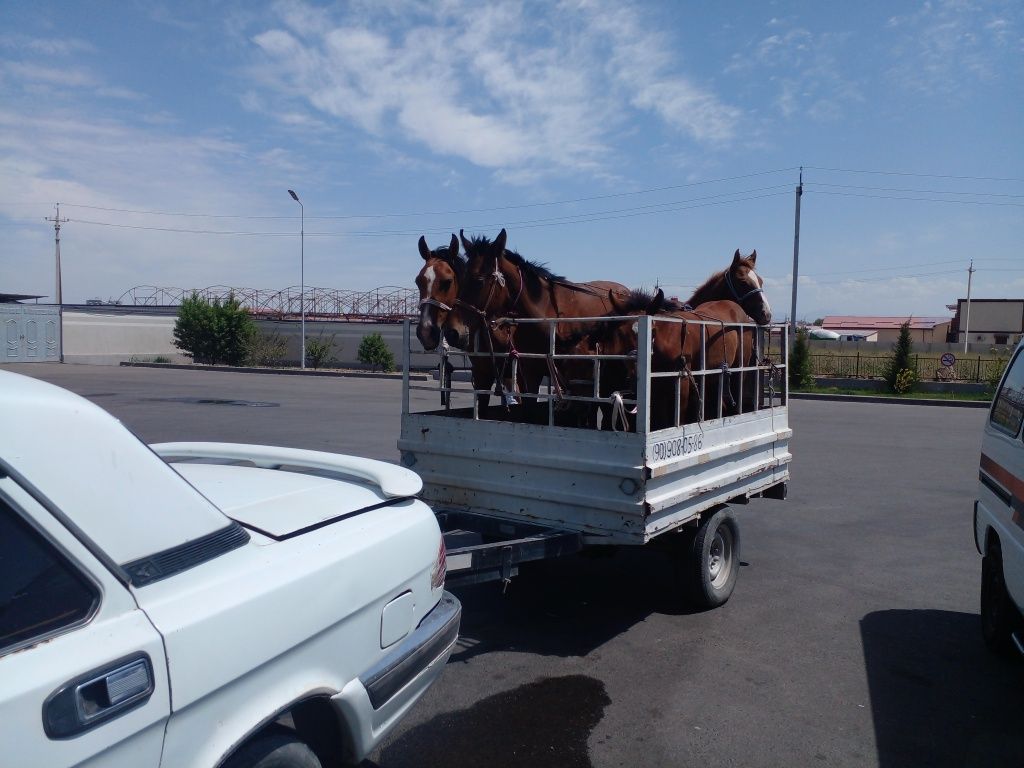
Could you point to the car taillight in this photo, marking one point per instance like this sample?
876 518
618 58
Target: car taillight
440 569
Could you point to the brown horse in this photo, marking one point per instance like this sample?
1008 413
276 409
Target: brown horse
438 282
739 283
500 284
676 346
679 347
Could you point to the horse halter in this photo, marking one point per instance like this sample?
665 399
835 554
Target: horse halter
432 302
735 293
497 278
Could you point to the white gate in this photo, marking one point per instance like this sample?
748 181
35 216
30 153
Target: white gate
29 333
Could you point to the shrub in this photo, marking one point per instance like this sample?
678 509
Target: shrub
900 360
266 349
906 381
800 361
213 333
995 372
319 350
373 351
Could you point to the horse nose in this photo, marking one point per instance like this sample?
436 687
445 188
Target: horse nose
429 336
451 336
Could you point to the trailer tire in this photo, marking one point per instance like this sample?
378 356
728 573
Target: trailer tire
997 610
712 564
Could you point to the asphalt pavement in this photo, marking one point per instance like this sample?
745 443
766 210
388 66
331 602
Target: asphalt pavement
852 638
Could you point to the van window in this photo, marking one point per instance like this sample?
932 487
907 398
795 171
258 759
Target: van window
1008 410
40 591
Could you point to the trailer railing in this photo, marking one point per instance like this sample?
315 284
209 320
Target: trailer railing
766 363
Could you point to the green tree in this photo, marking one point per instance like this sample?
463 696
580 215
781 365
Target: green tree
800 361
193 328
319 351
900 362
218 332
374 351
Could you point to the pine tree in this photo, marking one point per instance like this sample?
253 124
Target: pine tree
800 374
899 372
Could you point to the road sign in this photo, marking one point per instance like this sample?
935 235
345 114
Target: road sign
948 359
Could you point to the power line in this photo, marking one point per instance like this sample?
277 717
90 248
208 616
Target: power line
920 191
591 198
525 224
922 199
917 175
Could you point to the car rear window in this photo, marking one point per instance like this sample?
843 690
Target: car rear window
1008 408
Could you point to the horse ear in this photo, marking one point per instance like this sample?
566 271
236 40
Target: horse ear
465 243
736 257
424 251
453 247
752 258
657 303
614 301
499 241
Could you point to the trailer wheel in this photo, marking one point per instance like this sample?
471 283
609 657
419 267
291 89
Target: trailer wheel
712 564
996 608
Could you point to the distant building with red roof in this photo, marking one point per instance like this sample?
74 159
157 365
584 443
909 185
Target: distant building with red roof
884 329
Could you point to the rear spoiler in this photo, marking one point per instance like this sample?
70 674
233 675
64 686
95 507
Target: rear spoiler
393 481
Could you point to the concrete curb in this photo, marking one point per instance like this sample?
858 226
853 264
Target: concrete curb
891 400
280 371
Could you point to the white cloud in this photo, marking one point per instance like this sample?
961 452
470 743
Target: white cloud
947 45
46 46
804 69
483 82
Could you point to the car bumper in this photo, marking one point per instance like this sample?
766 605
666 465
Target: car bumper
373 704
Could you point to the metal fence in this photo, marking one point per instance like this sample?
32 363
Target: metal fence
928 368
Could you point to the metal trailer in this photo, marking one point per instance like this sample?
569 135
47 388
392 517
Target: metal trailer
506 493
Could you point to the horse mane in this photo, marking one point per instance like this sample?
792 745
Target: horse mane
639 299
533 271
636 303
696 299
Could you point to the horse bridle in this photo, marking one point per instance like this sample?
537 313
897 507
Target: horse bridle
432 302
496 278
736 294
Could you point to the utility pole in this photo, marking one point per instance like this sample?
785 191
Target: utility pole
302 275
796 253
967 319
57 221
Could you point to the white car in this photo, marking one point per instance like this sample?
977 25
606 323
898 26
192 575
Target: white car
201 604
999 514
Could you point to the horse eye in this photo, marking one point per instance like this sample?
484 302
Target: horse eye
446 284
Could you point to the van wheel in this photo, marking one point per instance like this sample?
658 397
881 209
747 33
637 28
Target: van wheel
997 610
275 749
711 566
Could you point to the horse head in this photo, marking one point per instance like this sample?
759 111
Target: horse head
483 290
438 282
746 287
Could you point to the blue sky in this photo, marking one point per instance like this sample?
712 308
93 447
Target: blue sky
639 143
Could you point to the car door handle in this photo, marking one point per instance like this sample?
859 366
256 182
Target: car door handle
98 696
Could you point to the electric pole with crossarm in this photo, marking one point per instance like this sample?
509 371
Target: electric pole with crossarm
57 221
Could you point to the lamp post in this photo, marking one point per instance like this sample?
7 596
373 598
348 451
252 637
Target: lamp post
302 273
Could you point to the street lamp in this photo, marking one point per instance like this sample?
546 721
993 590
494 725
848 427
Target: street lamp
302 272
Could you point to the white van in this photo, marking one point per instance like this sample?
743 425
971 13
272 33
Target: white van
999 514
